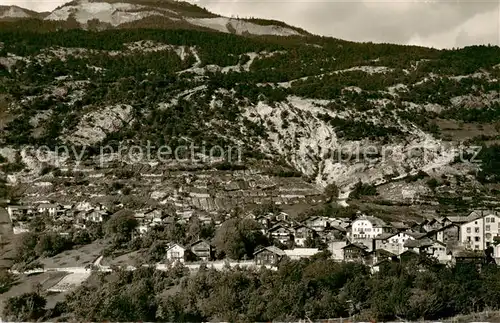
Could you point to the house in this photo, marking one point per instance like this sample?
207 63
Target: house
19 212
280 233
336 248
382 265
48 208
409 256
378 255
368 227
264 221
175 253
430 248
393 242
436 224
478 233
97 216
449 234
202 249
355 252
153 214
463 256
268 256
340 222
299 253
301 234
400 226
333 233
282 216
317 223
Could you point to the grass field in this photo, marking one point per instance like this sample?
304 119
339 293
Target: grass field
30 283
79 257
127 259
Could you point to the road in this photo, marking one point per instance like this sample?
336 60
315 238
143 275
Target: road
96 266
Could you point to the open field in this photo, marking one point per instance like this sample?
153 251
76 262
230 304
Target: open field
79 257
127 259
29 283
465 131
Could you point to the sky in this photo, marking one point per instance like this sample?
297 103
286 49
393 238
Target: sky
437 23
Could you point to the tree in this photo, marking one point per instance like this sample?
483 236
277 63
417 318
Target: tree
7 279
237 237
121 226
331 192
27 307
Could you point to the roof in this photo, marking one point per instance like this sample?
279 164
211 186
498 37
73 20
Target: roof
384 236
199 241
419 243
376 222
409 252
272 249
378 263
124 212
19 207
384 252
47 205
174 245
302 226
277 226
356 245
415 235
399 225
445 227
335 227
301 252
467 254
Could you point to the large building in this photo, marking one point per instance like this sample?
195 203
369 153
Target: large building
368 227
479 232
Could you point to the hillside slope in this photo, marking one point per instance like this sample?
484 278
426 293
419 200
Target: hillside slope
150 13
335 111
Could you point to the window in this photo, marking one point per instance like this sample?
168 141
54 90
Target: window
492 220
488 227
476 247
468 230
468 239
476 229
476 239
487 220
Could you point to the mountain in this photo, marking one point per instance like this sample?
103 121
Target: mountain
15 12
154 13
389 125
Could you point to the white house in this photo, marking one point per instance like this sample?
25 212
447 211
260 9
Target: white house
431 248
478 233
368 227
51 209
393 242
175 253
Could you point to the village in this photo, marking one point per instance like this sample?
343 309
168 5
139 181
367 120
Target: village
365 239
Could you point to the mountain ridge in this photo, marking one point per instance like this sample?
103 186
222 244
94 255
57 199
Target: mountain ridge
154 13
302 102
